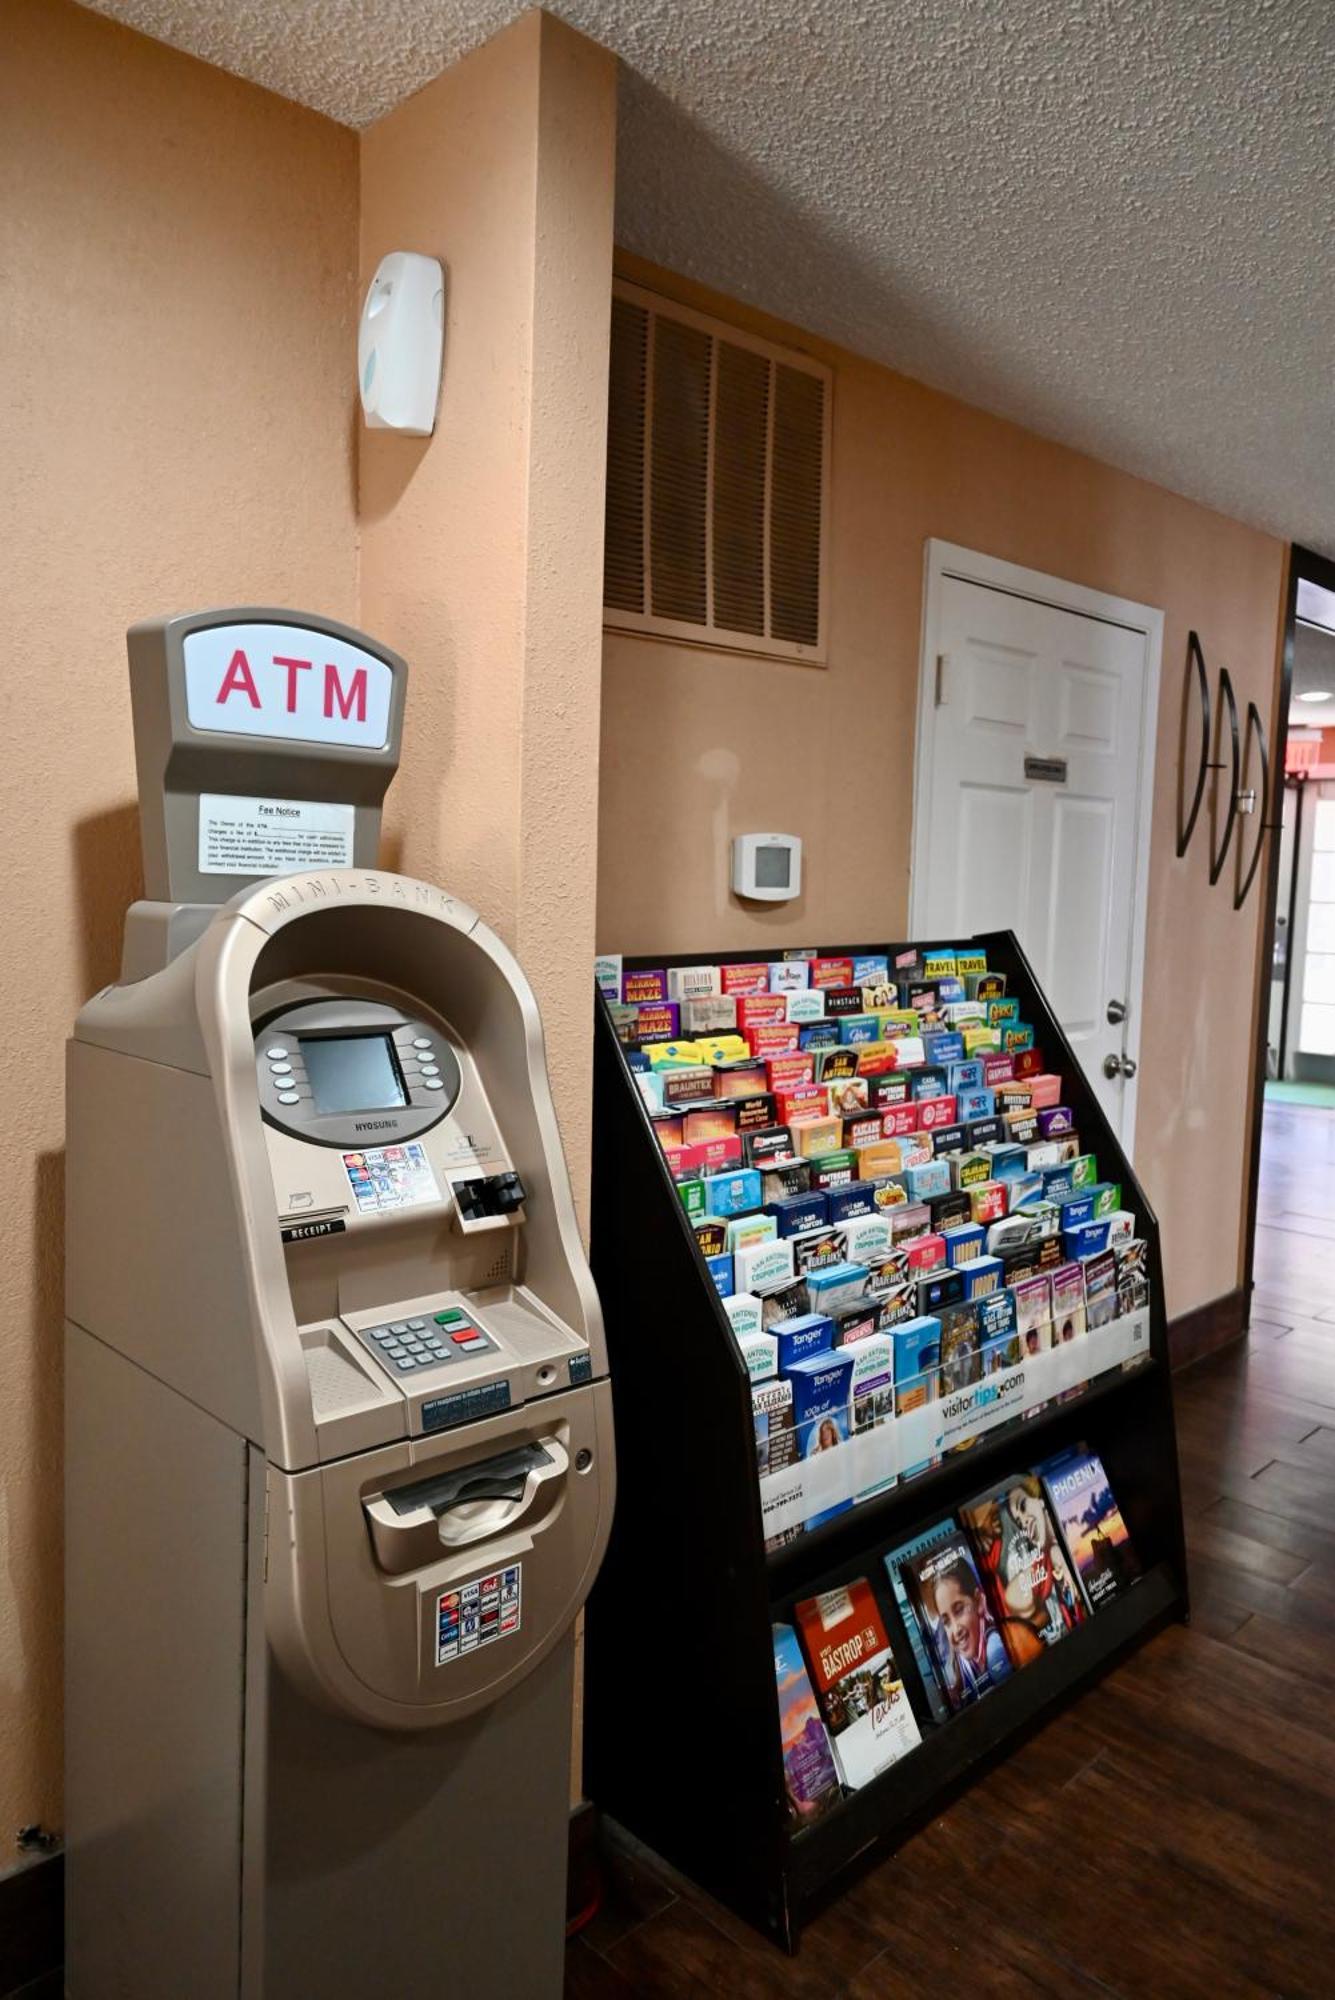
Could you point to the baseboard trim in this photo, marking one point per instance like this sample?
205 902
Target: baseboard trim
1205 1329
32 1920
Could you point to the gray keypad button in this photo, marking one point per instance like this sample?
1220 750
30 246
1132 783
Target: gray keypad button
399 1326
417 1325
396 1353
406 1363
426 1360
383 1335
288 1097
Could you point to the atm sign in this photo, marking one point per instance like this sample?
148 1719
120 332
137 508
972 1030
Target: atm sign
286 681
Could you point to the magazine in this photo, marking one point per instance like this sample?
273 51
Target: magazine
810 1779
1090 1523
1030 1584
859 1688
930 1666
948 1600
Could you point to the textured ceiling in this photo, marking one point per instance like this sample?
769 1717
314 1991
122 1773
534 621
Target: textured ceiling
1111 220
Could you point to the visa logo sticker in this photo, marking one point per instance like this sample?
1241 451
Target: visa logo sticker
287 682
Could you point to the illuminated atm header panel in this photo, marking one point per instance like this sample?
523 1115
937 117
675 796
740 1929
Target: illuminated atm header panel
265 741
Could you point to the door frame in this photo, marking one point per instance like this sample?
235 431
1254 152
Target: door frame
1304 566
948 562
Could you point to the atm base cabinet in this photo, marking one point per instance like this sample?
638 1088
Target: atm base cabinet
226 1836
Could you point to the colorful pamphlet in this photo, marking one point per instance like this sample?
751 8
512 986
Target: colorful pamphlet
811 1782
921 1640
947 1598
859 1688
1030 1585
1090 1523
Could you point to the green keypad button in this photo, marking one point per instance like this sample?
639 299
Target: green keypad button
450 1318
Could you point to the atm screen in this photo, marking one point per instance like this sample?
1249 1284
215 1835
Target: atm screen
352 1072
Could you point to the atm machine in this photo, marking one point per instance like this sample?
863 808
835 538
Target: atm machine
338 1426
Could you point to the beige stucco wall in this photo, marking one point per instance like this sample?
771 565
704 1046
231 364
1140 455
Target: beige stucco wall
181 430
697 745
482 554
178 295
482 551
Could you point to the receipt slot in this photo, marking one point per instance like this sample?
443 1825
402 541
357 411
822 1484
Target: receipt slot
338 1428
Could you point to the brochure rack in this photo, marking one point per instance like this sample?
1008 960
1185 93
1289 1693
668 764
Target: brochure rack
681 1718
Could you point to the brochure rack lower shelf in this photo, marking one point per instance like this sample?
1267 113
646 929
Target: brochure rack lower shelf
874 1818
682 1717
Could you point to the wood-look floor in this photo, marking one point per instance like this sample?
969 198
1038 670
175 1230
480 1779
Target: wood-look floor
1173 1831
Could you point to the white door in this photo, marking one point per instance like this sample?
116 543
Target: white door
1032 792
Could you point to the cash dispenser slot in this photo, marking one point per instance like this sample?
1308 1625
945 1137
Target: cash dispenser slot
409 1524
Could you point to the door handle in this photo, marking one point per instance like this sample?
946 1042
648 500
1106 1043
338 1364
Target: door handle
1125 1066
1116 1012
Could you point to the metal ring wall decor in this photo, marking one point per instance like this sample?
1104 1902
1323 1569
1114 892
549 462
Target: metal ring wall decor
1229 707
1240 749
1256 732
1196 659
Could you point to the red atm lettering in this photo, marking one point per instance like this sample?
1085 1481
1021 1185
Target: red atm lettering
294 667
354 694
239 680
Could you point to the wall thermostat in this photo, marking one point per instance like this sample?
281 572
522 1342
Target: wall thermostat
767 867
400 342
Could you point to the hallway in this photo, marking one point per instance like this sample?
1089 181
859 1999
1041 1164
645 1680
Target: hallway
1169 1833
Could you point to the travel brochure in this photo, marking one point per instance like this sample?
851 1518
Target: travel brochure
979 1596
888 1191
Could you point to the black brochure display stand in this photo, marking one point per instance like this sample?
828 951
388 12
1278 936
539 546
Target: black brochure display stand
682 1736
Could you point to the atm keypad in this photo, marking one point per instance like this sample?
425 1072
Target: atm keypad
404 1346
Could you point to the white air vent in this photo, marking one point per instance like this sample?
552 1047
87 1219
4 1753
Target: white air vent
717 483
